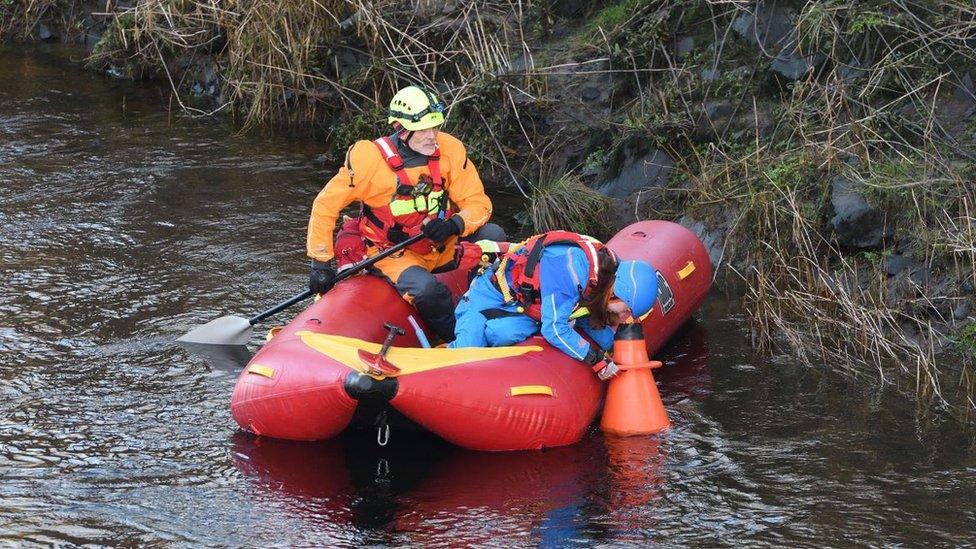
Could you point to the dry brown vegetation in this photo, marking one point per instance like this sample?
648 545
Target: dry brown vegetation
18 19
891 133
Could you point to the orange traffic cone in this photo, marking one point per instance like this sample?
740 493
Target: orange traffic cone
633 405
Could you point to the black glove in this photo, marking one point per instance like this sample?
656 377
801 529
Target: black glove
396 234
321 277
594 355
601 363
440 230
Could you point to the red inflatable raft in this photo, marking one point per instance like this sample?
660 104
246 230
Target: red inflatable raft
306 382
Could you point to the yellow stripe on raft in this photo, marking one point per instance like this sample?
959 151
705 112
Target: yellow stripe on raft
261 370
530 390
686 271
410 360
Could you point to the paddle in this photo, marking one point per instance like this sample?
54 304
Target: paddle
235 330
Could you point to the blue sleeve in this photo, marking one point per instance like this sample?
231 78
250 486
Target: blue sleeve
563 273
602 336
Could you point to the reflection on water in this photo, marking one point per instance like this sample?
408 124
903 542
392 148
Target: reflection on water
451 496
122 226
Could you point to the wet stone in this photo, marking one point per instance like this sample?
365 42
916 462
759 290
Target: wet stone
684 46
709 75
856 223
649 170
770 28
961 311
921 276
853 70
895 263
590 93
794 66
965 89
717 109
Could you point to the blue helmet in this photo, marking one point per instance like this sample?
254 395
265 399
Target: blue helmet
636 285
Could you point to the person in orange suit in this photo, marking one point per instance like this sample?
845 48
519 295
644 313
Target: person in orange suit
418 180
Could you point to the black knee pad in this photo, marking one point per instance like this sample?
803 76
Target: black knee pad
489 231
431 299
420 284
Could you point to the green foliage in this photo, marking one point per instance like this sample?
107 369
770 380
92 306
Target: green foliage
866 21
628 30
876 258
366 125
787 173
966 339
126 21
485 92
612 16
595 160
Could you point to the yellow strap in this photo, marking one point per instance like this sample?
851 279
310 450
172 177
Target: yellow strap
500 272
686 271
530 390
261 370
579 312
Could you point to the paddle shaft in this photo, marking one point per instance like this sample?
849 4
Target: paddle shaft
355 269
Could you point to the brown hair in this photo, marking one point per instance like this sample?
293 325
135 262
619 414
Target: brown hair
600 295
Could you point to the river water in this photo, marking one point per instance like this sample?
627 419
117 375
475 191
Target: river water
121 226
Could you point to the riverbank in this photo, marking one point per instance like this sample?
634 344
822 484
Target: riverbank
824 151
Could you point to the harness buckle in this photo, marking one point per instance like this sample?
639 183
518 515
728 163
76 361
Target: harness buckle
424 186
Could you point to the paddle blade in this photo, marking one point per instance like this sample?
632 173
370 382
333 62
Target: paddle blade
227 358
226 330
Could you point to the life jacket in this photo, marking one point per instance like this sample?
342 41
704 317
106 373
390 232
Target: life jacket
523 259
412 204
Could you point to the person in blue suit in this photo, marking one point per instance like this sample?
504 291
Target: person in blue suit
556 283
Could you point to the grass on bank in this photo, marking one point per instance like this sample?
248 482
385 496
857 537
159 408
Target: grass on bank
19 18
768 182
563 201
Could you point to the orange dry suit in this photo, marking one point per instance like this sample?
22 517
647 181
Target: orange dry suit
390 204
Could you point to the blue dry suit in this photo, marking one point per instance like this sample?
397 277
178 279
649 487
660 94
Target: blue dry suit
484 320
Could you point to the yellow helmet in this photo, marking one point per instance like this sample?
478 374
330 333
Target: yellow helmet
416 109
